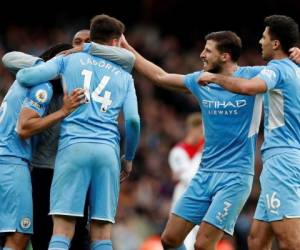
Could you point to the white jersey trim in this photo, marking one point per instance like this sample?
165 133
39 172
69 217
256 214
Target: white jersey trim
276 109
256 115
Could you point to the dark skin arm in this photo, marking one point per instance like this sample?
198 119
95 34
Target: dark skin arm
31 123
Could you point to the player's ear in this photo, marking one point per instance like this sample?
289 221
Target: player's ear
116 42
276 44
225 57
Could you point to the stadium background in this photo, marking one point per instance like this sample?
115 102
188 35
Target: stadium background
170 33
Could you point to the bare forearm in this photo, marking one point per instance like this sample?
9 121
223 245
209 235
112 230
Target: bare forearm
38 124
233 84
156 74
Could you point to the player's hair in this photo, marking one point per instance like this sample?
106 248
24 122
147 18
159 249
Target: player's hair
50 53
54 50
193 120
104 28
227 42
284 29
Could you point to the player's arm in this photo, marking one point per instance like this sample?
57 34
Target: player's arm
154 73
237 85
43 72
120 56
132 130
117 55
31 120
15 60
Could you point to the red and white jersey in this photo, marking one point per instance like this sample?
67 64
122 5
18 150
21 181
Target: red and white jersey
184 160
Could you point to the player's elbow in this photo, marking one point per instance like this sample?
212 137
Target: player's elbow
134 122
23 77
247 90
161 78
6 60
23 131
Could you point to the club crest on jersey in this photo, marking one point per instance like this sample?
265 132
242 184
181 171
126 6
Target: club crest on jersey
25 223
41 95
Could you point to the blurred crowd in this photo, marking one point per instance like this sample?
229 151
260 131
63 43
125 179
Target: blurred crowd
145 198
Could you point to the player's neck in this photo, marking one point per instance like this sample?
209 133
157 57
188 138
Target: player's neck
279 54
103 43
228 69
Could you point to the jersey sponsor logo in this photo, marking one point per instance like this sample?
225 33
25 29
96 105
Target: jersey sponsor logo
25 223
224 107
41 95
224 104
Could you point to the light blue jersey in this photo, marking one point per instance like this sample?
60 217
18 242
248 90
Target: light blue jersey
89 154
280 184
231 123
18 97
15 182
109 89
281 106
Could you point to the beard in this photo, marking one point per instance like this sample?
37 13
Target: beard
215 68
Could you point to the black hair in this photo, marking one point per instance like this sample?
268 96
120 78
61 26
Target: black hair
227 42
104 28
49 54
284 29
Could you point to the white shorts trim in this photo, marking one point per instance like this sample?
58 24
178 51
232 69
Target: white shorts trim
67 214
8 230
103 219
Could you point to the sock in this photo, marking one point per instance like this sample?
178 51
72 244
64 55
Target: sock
101 245
59 242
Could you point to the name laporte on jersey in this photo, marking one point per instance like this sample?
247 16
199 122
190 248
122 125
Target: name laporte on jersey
100 64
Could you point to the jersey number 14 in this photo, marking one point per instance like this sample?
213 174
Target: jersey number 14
95 95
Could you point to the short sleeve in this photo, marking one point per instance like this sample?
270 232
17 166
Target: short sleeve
190 81
39 98
270 75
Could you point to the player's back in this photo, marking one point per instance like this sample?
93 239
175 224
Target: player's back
10 142
282 109
106 85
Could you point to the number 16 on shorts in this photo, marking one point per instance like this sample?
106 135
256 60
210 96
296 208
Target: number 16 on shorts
273 202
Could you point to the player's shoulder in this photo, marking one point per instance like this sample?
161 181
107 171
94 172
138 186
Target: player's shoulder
249 71
280 63
191 78
41 93
194 74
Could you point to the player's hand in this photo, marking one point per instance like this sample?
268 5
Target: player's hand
295 54
123 43
205 78
72 101
71 51
126 168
